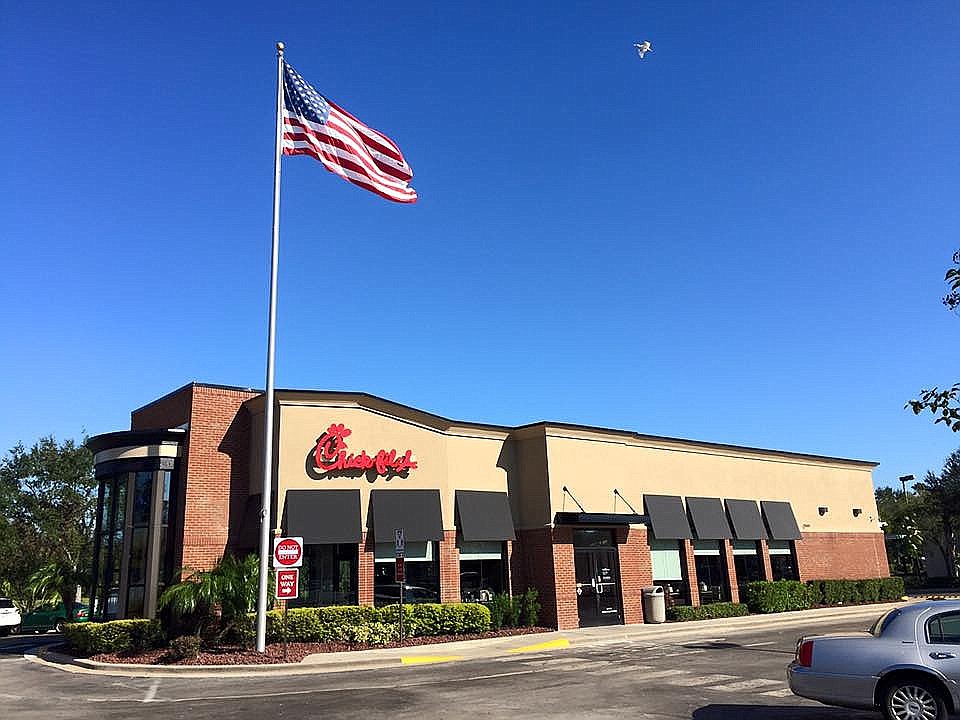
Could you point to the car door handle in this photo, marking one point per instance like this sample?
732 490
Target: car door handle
942 656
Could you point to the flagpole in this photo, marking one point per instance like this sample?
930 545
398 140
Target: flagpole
266 520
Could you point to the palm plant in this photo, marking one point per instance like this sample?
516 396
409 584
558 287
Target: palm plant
53 579
230 588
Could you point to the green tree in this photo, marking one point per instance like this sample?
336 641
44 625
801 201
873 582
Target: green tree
944 403
939 495
47 502
230 588
902 516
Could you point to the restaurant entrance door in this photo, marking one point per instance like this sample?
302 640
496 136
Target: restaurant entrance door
598 578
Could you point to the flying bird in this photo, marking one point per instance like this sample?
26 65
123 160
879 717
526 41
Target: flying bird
643 48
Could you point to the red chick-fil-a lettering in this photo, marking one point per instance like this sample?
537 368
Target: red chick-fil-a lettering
331 455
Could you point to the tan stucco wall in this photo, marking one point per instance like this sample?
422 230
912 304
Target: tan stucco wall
457 459
591 465
533 463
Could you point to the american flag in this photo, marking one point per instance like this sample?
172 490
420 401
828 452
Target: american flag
316 126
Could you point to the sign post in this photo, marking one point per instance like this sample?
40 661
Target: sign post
287 558
400 546
287 587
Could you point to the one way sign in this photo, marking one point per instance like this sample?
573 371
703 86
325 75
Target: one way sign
288 583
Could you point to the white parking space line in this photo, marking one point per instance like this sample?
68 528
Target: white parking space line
152 691
782 692
660 674
753 684
761 644
627 668
599 665
700 680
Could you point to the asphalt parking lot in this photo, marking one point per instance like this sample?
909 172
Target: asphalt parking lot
736 676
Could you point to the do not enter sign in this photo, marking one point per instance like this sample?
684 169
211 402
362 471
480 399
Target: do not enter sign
287 552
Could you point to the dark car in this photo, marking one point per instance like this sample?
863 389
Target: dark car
53 617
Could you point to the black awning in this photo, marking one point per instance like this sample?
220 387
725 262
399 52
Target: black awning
482 515
416 511
709 520
248 536
581 518
322 516
780 520
746 520
667 516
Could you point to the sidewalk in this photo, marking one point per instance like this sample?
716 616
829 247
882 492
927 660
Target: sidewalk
492 648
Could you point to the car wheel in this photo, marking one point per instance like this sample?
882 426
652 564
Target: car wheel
16 630
914 700
59 626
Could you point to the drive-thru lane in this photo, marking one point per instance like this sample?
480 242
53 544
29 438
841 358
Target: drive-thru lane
735 676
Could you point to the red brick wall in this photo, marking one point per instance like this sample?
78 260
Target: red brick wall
449 567
765 560
726 553
531 565
693 585
565 581
218 461
365 570
636 571
841 556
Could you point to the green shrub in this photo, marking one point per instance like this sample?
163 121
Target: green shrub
530 608
891 588
113 636
848 592
185 647
869 590
777 596
376 626
374 633
502 611
839 592
682 613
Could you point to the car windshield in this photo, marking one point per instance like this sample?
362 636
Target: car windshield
6 603
883 622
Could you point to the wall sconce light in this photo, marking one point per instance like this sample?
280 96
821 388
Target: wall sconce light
822 510
857 512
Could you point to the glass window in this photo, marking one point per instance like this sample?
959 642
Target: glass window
482 570
667 564
782 563
328 575
746 562
883 622
112 514
138 557
142 495
944 629
421 570
165 498
583 537
665 556
711 576
135 601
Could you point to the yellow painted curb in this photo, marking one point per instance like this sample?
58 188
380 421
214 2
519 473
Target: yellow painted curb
424 659
551 645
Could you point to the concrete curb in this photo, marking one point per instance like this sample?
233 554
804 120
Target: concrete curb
491 648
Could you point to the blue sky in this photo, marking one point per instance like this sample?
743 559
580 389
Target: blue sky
740 239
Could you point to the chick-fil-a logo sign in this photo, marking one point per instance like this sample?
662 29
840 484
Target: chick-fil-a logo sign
331 455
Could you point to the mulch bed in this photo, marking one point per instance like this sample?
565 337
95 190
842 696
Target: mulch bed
235 655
